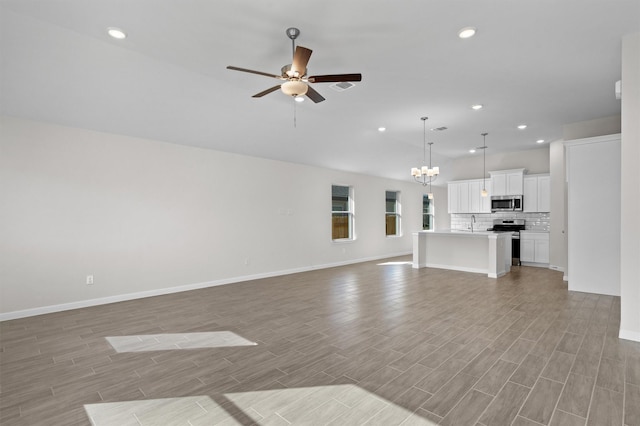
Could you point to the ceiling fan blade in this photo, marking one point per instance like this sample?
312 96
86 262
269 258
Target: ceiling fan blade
300 60
266 92
254 72
334 78
313 95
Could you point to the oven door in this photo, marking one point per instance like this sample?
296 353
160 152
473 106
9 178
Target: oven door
515 249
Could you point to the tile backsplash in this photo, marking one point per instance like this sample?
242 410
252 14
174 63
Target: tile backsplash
484 221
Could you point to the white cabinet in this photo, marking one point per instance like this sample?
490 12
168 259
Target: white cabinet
514 183
527 250
474 196
499 183
507 182
530 194
453 197
534 247
544 193
537 193
465 197
541 250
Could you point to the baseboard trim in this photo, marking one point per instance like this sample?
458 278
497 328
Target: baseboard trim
556 268
536 265
629 335
6 316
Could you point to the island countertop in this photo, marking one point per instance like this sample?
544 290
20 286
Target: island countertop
478 251
465 232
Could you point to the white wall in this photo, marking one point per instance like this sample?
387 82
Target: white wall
558 228
534 160
591 128
630 190
145 217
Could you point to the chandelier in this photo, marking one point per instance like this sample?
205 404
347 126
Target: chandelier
425 174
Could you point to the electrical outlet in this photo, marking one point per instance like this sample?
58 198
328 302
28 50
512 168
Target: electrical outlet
246 261
89 279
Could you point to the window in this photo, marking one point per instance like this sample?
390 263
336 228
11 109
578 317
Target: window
427 212
341 212
392 213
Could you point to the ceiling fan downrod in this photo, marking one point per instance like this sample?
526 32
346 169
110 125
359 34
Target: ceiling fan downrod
293 34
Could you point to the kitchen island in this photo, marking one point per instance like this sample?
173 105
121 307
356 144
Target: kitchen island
481 252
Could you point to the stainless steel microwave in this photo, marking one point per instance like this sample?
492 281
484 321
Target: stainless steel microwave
506 203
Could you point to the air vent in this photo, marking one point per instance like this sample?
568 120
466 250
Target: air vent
439 129
342 86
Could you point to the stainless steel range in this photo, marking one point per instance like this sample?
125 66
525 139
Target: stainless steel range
514 226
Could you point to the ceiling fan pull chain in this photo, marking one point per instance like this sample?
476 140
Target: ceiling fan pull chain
295 109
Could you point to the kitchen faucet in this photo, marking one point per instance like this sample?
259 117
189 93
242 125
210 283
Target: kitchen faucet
473 220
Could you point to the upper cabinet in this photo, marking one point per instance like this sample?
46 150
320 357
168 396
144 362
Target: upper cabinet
507 182
454 205
537 193
465 196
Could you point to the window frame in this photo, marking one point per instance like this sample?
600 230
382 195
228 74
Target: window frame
397 214
350 214
431 213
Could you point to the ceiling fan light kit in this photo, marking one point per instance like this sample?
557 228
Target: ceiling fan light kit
294 88
294 75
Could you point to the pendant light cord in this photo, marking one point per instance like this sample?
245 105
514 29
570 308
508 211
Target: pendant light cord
424 142
484 160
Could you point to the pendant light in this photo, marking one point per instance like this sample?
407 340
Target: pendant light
425 174
484 192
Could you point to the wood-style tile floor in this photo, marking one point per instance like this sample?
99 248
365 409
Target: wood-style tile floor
372 343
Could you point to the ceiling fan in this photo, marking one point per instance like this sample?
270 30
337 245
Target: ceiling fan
294 75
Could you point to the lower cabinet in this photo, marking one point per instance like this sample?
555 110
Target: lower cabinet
534 247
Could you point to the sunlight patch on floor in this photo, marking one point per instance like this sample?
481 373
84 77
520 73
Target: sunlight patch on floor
191 410
178 341
395 263
326 405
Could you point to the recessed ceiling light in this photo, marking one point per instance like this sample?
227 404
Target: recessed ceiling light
522 126
477 106
540 141
472 151
299 98
116 33
382 129
467 32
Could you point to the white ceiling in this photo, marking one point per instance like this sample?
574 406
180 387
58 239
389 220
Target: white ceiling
540 62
